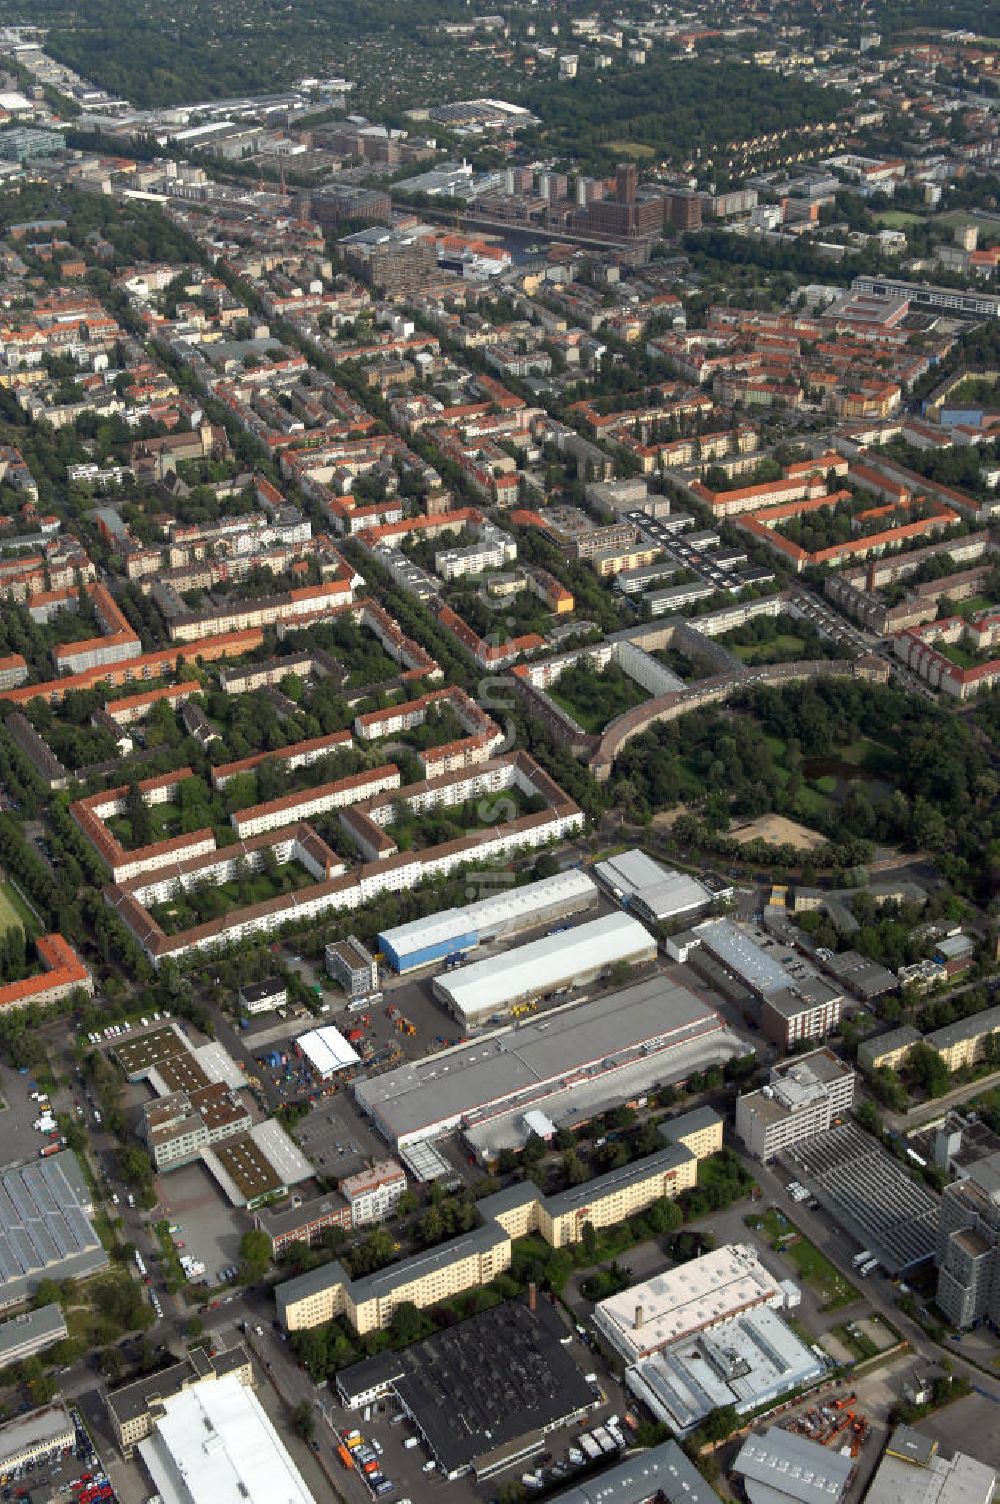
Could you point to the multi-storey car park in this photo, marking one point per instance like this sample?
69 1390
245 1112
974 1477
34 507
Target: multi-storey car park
869 1193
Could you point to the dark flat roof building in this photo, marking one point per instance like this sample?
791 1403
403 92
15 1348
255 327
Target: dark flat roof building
485 1393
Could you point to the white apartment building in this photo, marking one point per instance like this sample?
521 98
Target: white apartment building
373 1194
803 1097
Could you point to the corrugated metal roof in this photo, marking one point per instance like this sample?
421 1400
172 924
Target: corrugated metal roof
487 913
545 964
662 890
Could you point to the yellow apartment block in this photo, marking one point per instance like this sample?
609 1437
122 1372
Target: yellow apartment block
477 1257
964 1042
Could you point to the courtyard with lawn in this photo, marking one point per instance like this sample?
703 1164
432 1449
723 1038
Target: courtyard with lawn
779 639
207 901
595 697
418 830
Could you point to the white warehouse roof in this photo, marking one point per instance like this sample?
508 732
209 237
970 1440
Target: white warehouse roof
327 1050
487 916
661 892
497 983
686 1300
214 1444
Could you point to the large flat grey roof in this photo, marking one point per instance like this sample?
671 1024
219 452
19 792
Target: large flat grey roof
644 1476
869 1193
416 1097
743 956
46 1322
525 1380
663 891
782 1465
34 1429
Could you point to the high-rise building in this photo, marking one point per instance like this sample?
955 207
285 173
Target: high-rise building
968 1246
682 209
626 182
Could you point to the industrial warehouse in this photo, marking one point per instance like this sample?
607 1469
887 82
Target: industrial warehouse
569 1065
657 894
708 1334
686 1300
527 1386
489 990
453 932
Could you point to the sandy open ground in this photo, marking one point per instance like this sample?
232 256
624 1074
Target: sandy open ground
780 832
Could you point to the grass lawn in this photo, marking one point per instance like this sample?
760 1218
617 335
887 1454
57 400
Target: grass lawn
197 906
811 1266
631 149
898 219
622 697
873 756
814 795
855 1341
430 827
102 1307
976 603
964 657
962 217
766 652
164 822
15 913
815 801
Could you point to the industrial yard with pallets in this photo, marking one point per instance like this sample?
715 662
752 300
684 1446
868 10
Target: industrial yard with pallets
836 1424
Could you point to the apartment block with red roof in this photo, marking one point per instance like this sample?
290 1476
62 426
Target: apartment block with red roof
63 974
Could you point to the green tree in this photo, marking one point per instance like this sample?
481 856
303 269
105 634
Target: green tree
255 1255
304 1420
407 1325
927 1070
46 1293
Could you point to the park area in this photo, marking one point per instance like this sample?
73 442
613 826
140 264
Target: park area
811 1266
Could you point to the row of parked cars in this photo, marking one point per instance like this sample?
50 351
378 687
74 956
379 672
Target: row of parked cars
117 1031
354 1451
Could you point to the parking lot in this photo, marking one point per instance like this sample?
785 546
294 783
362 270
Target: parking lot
336 1138
21 1140
211 1229
698 557
78 1470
